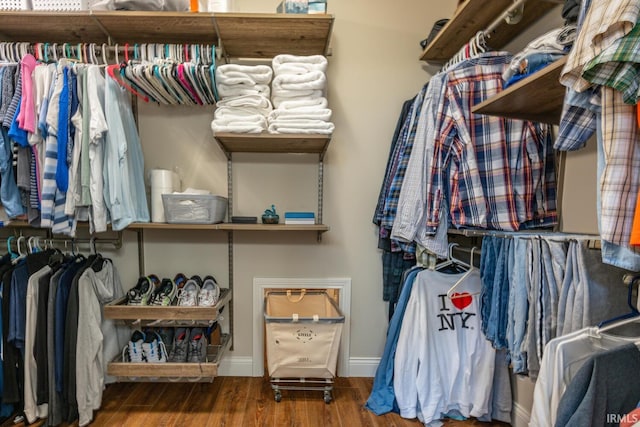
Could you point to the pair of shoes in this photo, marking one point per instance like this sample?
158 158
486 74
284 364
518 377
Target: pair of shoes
141 293
165 293
145 348
197 292
189 345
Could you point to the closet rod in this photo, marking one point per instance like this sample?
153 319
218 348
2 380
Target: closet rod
116 242
510 234
503 17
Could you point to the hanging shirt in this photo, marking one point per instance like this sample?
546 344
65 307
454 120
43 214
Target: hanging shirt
95 144
443 361
27 117
492 168
124 164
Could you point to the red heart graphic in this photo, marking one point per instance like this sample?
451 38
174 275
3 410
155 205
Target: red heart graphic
461 300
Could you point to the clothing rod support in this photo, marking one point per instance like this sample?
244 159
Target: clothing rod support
503 17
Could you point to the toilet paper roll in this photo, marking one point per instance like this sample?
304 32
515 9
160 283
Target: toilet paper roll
163 181
163 178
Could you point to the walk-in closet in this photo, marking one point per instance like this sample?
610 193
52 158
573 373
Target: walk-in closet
318 213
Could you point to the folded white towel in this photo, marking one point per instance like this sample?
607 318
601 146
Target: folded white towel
294 95
295 64
315 80
257 124
301 126
303 104
285 115
239 112
256 101
227 91
244 74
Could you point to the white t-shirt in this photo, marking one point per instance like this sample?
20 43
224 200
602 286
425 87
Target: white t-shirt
443 361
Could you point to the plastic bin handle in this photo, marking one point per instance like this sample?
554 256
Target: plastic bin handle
291 299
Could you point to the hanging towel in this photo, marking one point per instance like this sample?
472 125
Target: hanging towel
294 64
230 74
323 114
313 80
301 126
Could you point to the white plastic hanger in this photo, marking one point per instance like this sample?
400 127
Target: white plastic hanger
464 276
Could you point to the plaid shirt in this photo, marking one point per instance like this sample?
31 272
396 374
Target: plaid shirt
492 168
410 222
405 145
618 66
605 22
621 175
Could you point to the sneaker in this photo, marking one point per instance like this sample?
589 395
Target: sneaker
210 292
179 349
197 346
143 290
133 352
153 348
180 280
189 293
164 294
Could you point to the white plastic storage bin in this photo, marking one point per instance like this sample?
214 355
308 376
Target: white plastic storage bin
194 208
62 5
303 334
15 4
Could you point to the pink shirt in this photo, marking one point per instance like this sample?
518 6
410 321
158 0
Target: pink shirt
27 116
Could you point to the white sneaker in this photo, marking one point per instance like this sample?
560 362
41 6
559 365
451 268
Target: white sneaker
153 348
210 292
189 294
134 350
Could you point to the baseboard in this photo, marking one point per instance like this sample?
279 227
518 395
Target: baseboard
520 416
236 366
363 366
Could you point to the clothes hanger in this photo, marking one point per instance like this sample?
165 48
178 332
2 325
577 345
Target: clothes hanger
632 316
472 268
9 251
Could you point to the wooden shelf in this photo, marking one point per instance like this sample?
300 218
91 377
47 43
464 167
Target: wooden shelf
206 371
538 98
272 143
241 34
476 15
226 226
166 316
267 35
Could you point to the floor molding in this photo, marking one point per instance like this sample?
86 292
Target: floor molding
363 366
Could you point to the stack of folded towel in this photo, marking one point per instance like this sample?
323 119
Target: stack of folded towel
244 98
297 93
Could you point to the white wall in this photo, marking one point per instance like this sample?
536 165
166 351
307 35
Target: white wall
374 67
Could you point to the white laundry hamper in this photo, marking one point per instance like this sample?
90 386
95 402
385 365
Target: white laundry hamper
303 331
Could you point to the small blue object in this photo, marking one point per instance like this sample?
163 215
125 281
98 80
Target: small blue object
291 215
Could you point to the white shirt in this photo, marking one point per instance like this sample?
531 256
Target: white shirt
443 361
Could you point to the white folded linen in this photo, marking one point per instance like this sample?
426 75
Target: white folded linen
257 124
283 115
227 91
283 95
256 101
296 64
244 74
238 112
314 80
301 126
304 104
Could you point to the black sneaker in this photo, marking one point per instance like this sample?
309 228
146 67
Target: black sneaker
165 294
142 291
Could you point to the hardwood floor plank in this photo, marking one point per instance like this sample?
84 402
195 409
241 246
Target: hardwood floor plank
260 407
319 414
231 403
144 393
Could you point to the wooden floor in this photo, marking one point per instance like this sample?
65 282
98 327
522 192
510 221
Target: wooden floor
242 402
